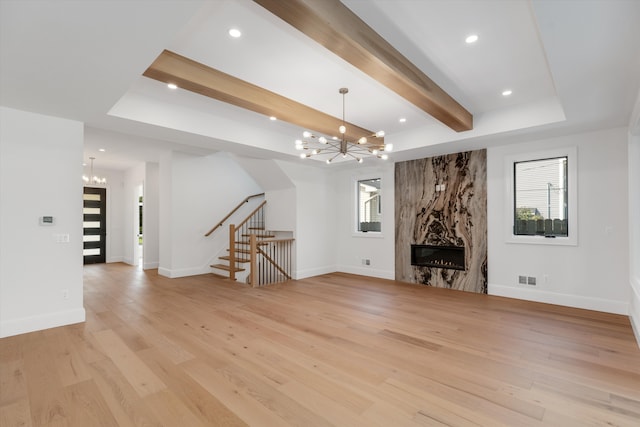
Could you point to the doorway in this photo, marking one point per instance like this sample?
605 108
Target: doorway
94 225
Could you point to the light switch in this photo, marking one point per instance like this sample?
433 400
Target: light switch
61 238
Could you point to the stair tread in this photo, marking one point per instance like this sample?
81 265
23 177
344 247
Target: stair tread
227 258
260 236
256 228
225 267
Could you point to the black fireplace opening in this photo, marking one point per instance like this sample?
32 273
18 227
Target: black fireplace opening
451 257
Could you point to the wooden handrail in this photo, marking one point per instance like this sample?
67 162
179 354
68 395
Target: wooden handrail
251 214
232 212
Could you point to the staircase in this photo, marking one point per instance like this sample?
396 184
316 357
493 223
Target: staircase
254 256
241 252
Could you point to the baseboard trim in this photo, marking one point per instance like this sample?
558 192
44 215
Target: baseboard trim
371 272
183 272
311 272
576 301
25 325
114 259
634 308
150 265
635 327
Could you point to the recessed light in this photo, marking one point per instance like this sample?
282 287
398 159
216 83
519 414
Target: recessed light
402 120
507 92
472 38
102 150
273 118
172 86
235 33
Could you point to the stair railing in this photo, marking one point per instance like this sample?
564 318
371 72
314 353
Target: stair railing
218 225
239 235
270 260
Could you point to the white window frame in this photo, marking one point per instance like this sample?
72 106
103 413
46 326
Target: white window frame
356 208
572 196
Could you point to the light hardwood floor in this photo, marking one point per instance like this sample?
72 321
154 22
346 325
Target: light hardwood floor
337 350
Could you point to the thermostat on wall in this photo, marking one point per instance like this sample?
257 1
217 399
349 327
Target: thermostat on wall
46 220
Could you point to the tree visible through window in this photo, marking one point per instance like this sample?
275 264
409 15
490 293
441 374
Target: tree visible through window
369 205
541 197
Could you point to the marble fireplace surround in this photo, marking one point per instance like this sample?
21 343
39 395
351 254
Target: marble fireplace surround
442 201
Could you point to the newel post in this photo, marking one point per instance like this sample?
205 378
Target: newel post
253 255
232 251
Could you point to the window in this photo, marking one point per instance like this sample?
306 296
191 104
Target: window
369 205
541 203
540 197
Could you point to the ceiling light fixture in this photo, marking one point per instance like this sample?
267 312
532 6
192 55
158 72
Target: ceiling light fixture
93 179
102 150
273 118
402 120
334 146
172 86
507 92
235 33
471 39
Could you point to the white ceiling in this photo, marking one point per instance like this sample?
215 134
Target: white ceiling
572 66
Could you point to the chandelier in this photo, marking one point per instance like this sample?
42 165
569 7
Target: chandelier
93 179
314 145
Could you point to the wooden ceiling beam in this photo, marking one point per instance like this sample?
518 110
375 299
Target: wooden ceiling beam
334 26
188 74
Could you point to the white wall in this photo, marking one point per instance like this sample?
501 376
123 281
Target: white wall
591 275
315 217
280 192
280 210
150 220
40 174
634 230
165 214
353 247
133 179
634 216
147 176
198 191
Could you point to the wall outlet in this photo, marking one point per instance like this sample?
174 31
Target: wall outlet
366 261
522 280
531 281
65 294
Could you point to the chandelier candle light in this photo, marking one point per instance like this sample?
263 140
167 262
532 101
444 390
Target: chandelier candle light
93 179
334 146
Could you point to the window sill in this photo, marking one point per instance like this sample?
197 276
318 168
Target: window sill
541 240
368 234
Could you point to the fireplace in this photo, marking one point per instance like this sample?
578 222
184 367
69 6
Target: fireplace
451 257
